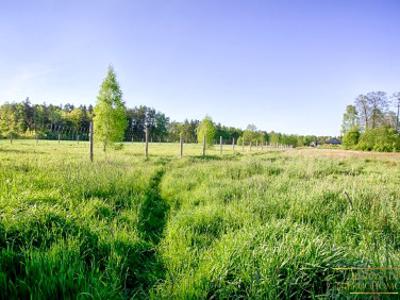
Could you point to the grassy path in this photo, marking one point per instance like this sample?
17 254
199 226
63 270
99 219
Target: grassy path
267 225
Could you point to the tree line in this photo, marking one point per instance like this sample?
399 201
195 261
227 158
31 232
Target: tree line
372 122
115 122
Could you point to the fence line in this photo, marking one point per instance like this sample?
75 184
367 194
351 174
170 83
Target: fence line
181 144
146 141
91 141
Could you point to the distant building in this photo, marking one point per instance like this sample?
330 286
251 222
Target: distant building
333 141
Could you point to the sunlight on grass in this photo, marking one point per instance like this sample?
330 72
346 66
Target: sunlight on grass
261 224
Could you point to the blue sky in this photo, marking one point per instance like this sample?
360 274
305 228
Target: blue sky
289 66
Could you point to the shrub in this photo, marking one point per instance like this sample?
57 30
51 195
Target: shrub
383 139
350 139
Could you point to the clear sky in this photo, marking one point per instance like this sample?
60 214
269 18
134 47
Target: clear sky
283 65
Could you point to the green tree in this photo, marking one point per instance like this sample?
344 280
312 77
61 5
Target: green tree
39 118
396 102
380 139
206 129
250 134
110 119
188 130
351 137
378 102
364 110
350 119
174 131
300 141
74 118
8 121
275 138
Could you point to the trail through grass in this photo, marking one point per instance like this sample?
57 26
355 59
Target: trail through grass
260 225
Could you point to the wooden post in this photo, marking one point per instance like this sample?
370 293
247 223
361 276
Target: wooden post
146 147
204 145
181 144
59 138
220 145
233 144
90 141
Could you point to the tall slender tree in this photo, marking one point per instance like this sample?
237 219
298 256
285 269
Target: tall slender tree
396 102
110 119
8 120
378 103
350 119
206 129
364 110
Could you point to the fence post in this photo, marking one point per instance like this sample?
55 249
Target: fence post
181 143
146 147
90 141
204 145
233 144
220 145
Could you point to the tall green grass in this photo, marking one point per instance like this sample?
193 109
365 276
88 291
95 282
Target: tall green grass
265 225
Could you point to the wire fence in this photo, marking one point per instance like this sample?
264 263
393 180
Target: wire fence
86 134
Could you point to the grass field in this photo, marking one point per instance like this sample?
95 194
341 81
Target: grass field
261 224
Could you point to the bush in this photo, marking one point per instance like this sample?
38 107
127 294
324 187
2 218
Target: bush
350 139
384 139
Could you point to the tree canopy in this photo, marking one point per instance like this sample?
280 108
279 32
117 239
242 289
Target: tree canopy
372 123
350 119
8 121
206 130
110 119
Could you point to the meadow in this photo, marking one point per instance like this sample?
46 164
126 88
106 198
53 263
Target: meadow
265 224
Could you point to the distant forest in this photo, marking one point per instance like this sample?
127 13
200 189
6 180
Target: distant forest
27 120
